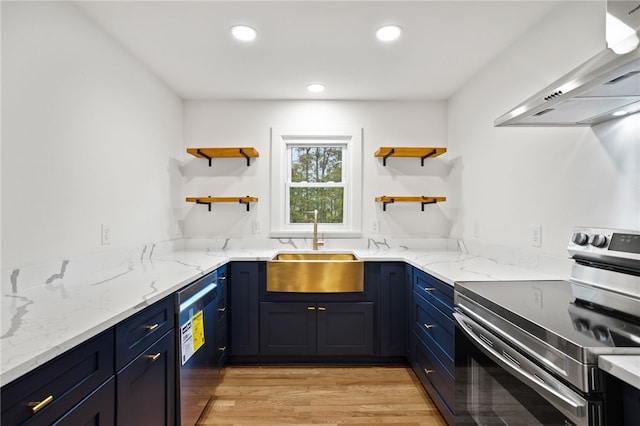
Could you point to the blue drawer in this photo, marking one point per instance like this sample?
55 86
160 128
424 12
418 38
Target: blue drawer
436 379
435 291
433 327
140 331
64 381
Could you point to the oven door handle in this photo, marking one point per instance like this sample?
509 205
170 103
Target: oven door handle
560 396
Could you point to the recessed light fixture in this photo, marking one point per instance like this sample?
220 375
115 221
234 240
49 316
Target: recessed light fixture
388 33
243 32
315 87
620 113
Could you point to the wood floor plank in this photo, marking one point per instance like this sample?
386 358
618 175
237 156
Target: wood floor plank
328 396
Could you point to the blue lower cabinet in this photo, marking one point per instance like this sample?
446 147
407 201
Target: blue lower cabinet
145 388
431 351
244 282
298 328
392 309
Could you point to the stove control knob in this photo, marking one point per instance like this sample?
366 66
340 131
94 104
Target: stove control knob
580 238
599 240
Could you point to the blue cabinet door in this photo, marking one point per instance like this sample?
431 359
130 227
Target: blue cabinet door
244 284
287 328
145 388
345 328
392 309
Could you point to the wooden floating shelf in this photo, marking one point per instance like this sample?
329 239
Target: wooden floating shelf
422 200
210 153
417 152
210 200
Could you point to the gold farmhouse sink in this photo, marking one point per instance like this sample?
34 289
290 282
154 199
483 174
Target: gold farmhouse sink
322 272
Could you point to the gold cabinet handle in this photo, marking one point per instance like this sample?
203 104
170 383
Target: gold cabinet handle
429 289
222 349
428 326
322 308
428 371
37 406
151 327
153 357
222 278
224 308
311 308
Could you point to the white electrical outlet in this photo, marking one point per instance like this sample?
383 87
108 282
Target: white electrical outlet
256 227
535 235
476 230
105 238
375 226
537 297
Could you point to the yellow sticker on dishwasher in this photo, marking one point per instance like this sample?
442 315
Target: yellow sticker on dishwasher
198 331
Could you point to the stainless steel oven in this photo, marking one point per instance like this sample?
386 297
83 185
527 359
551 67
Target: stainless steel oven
526 352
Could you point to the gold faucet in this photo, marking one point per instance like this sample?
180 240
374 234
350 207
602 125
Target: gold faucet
316 243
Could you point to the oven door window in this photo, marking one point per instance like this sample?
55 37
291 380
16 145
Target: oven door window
488 395
491 396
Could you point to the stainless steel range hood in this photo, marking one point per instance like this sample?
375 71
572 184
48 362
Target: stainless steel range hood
598 90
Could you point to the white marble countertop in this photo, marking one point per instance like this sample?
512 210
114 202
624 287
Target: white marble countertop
50 309
624 367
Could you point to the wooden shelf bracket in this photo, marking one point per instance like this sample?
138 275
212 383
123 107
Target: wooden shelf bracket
245 155
208 204
384 203
384 159
433 152
202 154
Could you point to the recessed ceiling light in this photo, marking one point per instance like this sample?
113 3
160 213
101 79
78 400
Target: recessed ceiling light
243 32
388 32
620 113
315 87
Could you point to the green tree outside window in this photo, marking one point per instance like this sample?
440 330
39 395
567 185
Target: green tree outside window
316 183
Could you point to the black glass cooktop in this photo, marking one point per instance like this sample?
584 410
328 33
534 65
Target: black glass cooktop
549 311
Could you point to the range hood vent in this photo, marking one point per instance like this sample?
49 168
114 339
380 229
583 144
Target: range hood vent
603 88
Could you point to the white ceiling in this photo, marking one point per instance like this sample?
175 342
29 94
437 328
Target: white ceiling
189 46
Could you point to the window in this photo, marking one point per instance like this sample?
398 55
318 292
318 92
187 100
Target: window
316 182
316 171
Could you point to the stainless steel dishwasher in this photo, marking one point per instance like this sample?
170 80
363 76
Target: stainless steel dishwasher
198 355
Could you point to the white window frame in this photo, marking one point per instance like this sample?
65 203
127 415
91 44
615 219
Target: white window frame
282 139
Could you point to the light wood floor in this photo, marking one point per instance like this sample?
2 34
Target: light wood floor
320 395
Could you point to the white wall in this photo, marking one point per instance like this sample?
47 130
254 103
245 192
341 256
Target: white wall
248 123
510 178
89 137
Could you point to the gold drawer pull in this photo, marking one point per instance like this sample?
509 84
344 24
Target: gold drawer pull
37 406
222 349
427 371
311 308
428 326
322 308
224 308
429 289
151 327
222 278
154 357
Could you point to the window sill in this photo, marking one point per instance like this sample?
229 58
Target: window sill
321 235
